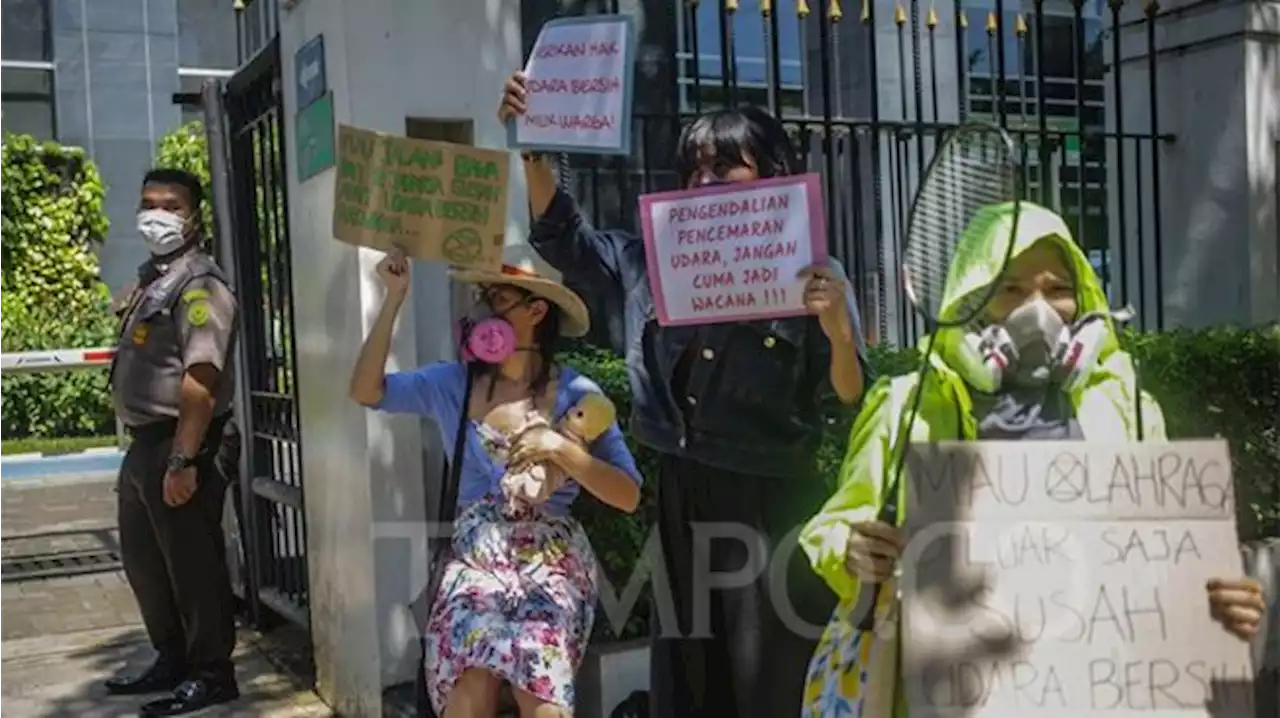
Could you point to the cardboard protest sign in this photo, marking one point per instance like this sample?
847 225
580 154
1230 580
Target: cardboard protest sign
1066 579
436 200
731 252
580 76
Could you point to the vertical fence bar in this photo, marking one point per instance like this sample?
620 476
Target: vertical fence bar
1152 10
931 22
917 89
728 68
1042 114
691 11
1000 61
829 13
1077 63
1116 62
962 60
877 169
774 61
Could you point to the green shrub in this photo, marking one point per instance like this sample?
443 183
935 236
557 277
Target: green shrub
186 149
53 221
1217 382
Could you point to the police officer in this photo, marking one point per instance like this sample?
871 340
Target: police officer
172 388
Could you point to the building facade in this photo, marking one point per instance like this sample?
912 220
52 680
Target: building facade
102 74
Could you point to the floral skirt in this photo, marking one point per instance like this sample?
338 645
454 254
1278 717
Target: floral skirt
517 599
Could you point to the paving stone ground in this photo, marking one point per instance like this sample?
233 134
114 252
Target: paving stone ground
63 636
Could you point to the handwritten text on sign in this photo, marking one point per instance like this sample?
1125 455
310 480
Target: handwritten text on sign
436 200
1068 579
732 252
579 79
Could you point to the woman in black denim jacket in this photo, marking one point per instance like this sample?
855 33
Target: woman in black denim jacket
736 412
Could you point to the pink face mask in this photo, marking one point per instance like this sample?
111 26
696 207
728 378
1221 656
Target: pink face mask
490 340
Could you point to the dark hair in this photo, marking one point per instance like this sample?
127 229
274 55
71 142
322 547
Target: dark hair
179 177
730 135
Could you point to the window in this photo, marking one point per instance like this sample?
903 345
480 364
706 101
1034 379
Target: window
28 103
26 97
206 34
751 51
25 32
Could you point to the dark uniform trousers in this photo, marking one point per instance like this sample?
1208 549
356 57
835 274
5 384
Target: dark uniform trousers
175 556
754 660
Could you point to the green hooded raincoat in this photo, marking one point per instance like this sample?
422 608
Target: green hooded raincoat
1104 402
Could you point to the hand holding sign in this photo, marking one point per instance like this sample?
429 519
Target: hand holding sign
735 252
825 298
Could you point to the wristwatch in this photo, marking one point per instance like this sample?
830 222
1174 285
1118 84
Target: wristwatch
178 462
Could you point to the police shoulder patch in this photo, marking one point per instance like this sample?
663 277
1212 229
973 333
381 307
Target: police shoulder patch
198 313
192 295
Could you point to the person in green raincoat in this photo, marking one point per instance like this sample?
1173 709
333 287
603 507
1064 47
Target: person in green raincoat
1018 376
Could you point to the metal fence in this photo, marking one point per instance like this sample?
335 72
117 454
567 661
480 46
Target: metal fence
245 122
879 82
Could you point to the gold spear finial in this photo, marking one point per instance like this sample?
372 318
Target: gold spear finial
802 9
931 18
992 23
766 8
730 6
834 12
866 12
899 15
964 20
1020 25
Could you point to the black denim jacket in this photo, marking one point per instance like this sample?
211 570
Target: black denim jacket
758 393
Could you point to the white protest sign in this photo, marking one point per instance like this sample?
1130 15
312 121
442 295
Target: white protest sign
732 252
1066 579
579 79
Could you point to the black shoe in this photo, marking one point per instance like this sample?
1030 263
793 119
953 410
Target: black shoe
161 676
191 696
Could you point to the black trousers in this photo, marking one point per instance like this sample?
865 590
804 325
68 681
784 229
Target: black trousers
740 645
175 557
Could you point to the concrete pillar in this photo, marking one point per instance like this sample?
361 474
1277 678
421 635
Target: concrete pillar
387 61
1218 93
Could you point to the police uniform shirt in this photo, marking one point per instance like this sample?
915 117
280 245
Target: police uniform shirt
183 317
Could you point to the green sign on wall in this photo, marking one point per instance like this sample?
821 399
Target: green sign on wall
314 137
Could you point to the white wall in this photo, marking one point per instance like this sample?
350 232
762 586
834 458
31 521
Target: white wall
386 60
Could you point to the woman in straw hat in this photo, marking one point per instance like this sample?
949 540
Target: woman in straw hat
518 594
736 412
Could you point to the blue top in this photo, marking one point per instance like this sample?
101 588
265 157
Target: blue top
435 391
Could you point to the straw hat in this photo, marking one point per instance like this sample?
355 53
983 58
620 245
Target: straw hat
520 272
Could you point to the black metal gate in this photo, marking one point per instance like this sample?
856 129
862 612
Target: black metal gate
866 88
248 168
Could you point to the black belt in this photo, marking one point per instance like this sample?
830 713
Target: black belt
165 429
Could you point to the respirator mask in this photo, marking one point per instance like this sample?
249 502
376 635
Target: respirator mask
485 335
1033 347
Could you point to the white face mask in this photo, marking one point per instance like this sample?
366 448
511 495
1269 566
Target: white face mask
164 231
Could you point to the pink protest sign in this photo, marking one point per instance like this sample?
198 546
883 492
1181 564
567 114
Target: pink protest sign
731 252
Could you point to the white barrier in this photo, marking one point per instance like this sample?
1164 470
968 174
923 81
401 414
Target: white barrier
56 360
